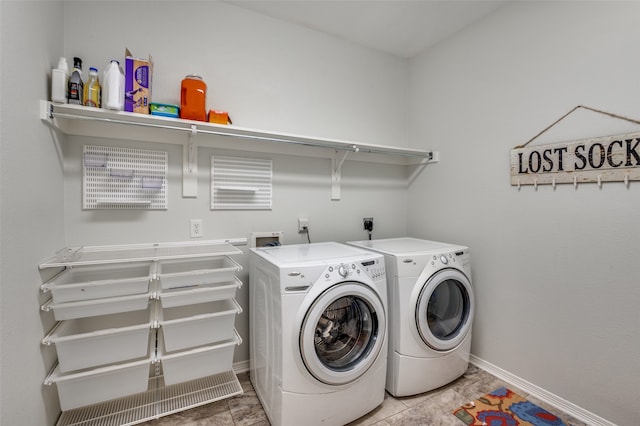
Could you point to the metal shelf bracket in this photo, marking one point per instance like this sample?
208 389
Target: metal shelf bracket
190 165
336 174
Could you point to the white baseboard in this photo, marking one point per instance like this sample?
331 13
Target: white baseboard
554 400
241 367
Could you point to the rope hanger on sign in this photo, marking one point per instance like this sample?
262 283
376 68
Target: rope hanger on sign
569 113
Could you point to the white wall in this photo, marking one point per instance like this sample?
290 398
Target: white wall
269 75
32 225
555 271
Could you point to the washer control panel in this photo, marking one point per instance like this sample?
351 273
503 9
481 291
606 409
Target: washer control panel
343 270
374 268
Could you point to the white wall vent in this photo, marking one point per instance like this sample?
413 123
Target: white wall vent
241 183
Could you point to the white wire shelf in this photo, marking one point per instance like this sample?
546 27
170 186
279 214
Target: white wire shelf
68 118
158 401
98 255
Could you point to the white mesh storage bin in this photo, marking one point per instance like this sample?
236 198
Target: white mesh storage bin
192 272
195 325
99 281
199 294
96 307
101 384
93 341
199 362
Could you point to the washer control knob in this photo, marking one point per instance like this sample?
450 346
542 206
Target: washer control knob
343 271
444 259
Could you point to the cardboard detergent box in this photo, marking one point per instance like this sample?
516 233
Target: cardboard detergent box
137 83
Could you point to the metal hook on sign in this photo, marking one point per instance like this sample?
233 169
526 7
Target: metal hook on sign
575 182
626 179
599 181
553 183
535 184
518 184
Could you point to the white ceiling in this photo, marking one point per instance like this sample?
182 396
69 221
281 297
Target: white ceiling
401 27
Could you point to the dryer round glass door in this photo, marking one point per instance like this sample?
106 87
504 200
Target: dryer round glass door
342 333
444 310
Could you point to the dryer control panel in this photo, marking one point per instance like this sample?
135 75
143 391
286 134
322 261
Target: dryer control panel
454 259
443 258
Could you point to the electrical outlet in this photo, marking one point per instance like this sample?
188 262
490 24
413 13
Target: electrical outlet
196 228
367 223
303 224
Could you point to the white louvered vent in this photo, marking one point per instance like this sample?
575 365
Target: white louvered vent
240 183
123 178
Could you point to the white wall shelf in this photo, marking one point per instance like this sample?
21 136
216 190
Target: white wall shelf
95 122
100 255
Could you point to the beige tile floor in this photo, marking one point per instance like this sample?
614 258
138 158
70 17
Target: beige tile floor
430 408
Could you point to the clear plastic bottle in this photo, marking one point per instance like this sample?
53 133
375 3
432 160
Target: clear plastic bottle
113 87
76 85
60 82
92 89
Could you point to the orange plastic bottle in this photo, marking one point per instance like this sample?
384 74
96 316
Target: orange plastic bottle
193 98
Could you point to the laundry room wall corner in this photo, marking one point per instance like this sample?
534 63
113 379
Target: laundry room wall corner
31 199
554 269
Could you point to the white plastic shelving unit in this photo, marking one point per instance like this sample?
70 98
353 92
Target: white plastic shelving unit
171 349
88 121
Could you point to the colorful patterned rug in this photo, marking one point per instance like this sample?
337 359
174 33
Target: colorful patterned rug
503 407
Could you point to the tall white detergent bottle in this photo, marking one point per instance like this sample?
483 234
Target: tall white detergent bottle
113 87
60 81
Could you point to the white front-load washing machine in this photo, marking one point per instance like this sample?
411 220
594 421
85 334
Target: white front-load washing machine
318 332
431 307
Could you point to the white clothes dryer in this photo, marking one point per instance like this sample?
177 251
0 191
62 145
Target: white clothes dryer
431 307
318 332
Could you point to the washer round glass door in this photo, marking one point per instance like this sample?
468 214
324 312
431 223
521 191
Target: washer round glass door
342 333
444 310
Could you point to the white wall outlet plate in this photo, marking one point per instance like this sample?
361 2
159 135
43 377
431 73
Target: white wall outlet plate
303 224
196 228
